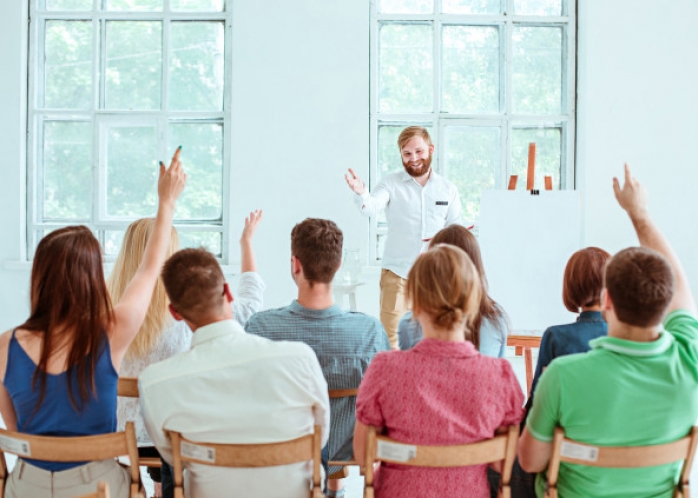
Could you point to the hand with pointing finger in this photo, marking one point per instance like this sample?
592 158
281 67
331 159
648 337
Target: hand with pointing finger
633 196
355 182
172 180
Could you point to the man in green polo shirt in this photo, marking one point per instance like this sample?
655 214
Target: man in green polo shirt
639 385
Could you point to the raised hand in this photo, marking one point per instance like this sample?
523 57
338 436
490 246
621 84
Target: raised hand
355 182
251 223
172 180
632 197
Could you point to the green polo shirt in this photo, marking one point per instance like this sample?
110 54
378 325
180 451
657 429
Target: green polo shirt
621 393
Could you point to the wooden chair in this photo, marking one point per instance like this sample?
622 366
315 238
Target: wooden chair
71 449
524 344
128 388
502 447
102 491
341 474
566 450
247 456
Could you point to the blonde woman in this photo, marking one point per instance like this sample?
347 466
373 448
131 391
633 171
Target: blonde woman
160 336
442 391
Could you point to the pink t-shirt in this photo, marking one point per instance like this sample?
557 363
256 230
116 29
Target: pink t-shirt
438 393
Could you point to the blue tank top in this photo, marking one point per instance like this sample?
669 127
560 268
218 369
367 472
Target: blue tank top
56 416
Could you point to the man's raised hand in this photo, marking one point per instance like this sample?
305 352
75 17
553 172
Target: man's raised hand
632 197
354 182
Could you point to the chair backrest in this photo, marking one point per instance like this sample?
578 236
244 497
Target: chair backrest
102 491
501 447
567 450
524 344
247 456
71 449
127 387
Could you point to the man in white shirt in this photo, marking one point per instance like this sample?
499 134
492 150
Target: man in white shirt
230 387
418 203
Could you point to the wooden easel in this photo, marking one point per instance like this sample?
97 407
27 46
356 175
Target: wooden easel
531 173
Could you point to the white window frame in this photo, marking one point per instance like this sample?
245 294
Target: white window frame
506 121
162 118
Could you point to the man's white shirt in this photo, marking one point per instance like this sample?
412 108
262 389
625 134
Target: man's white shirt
414 214
234 387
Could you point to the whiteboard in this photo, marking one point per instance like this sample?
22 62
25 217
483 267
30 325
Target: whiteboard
526 241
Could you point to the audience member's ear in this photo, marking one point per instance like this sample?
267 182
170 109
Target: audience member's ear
296 268
606 303
175 314
228 295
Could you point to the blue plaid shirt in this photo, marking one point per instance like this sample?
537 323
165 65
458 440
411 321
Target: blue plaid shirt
345 342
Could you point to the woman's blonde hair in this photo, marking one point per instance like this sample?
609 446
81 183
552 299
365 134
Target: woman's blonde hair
444 284
158 316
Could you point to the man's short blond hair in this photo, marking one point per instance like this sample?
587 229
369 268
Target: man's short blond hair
411 132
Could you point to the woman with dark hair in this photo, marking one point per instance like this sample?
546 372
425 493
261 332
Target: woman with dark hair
59 369
442 391
581 293
490 328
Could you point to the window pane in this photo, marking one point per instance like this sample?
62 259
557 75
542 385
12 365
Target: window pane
135 5
133 67
406 68
132 171
68 4
389 159
202 159
196 66
211 241
471 6
112 242
198 5
67 178
538 7
537 70
548 155
68 65
470 69
472 159
406 6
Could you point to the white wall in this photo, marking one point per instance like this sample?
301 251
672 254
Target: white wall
638 68
300 114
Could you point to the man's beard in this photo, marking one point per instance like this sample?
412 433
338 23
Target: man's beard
426 164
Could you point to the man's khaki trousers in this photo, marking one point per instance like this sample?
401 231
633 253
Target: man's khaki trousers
393 303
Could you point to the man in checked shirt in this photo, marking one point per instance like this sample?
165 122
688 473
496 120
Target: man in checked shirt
345 342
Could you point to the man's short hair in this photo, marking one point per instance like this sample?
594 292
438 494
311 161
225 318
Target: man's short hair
583 278
194 283
317 244
410 132
640 283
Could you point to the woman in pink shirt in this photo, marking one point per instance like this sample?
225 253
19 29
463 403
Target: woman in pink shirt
442 391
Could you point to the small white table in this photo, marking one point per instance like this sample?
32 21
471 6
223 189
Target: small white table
341 290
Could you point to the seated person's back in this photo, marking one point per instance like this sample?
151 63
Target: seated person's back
442 391
231 387
581 291
345 342
638 386
59 369
489 334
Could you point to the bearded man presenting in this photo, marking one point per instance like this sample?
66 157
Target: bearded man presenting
418 202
